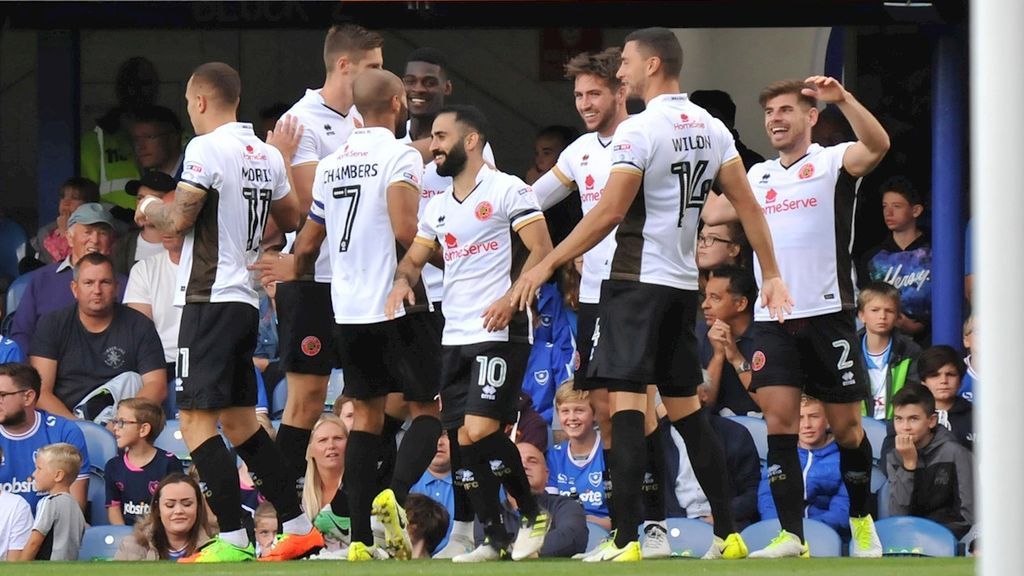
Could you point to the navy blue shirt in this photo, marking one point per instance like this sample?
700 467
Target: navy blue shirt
131 489
731 393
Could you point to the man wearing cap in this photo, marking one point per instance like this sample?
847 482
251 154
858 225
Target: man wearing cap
144 242
90 229
96 352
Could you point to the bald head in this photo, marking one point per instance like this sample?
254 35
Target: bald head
379 96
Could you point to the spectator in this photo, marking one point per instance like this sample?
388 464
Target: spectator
720 105
59 524
576 467
727 344
265 526
904 259
266 357
889 357
687 498
567 523
10 351
722 245
90 229
971 361
530 426
24 430
548 145
825 498
941 372
15 524
177 527
94 353
551 355
428 523
156 141
436 484
51 242
132 476
344 409
930 474
325 472
142 243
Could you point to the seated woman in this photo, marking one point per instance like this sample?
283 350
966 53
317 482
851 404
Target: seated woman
325 469
176 526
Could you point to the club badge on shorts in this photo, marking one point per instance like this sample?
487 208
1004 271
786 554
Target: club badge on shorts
310 346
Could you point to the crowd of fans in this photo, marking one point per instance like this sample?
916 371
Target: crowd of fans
94 338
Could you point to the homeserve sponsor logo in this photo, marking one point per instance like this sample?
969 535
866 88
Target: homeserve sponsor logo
454 252
772 204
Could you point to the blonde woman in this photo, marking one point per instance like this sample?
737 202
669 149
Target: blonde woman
325 469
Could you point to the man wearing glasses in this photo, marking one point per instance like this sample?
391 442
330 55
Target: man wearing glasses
156 141
24 429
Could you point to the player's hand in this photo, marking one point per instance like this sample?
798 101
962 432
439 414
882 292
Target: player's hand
775 297
527 287
498 315
285 136
400 292
826 89
275 267
908 450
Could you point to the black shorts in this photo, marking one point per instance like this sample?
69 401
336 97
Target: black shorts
585 320
821 354
483 380
305 325
401 355
644 335
215 346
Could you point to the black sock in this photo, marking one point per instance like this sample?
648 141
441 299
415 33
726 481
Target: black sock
339 504
654 478
481 487
414 455
628 473
707 457
274 481
507 465
855 465
293 442
360 482
606 478
217 470
463 508
388 451
786 480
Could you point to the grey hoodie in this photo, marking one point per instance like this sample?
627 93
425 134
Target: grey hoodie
940 489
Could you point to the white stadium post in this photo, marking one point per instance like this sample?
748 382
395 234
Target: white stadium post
997 121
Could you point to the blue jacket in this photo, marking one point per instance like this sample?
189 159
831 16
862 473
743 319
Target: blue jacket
551 358
825 497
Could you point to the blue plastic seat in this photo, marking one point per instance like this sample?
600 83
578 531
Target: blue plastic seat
883 501
13 242
278 400
876 431
171 441
596 536
878 479
911 536
821 538
688 537
101 444
97 505
14 293
101 542
758 430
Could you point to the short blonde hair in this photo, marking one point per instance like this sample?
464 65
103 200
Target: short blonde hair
64 457
566 393
265 511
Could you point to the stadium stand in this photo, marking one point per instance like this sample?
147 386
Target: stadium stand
822 540
101 542
101 444
911 536
689 537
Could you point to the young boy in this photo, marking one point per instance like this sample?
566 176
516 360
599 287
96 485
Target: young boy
265 524
132 476
60 524
15 523
971 361
890 357
930 473
576 466
904 259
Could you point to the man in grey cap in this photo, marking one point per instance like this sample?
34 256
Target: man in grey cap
90 229
141 243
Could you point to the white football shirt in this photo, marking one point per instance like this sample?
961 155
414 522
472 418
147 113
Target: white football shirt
324 131
678 148
241 176
809 207
350 199
475 239
584 166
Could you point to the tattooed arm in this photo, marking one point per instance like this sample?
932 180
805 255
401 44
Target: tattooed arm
175 217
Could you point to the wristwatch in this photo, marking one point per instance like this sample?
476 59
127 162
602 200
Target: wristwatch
743 366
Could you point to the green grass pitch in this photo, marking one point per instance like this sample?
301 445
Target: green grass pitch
788 567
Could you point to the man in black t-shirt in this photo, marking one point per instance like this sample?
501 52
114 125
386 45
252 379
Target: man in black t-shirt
96 343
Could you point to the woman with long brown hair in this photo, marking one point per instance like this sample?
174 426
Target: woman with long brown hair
176 526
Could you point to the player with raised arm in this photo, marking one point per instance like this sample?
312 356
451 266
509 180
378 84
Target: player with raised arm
664 163
486 341
583 167
808 195
231 184
365 198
